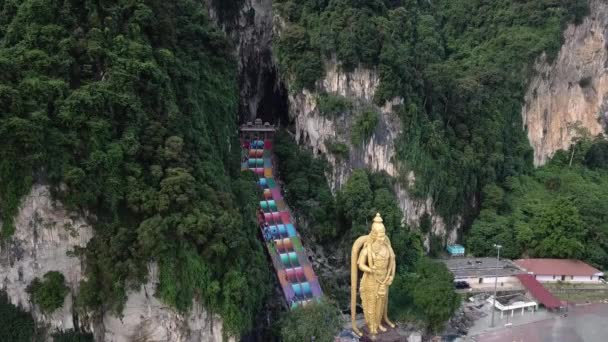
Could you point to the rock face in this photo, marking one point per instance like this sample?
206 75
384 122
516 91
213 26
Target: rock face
251 29
572 89
377 153
44 235
145 318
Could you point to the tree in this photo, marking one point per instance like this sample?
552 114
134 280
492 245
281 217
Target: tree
433 293
597 155
49 293
558 231
355 200
15 324
320 320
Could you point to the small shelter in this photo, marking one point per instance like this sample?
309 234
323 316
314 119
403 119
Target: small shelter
455 250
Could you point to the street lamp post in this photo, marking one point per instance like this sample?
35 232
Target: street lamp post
498 247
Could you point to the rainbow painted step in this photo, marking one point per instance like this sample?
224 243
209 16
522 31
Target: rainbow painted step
293 268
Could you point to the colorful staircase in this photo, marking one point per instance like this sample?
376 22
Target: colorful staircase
293 269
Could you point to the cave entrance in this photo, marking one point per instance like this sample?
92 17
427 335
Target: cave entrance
274 104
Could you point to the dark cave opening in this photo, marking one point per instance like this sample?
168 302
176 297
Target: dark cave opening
274 104
263 93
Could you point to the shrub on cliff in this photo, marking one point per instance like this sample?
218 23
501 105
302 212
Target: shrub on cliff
331 105
364 125
49 293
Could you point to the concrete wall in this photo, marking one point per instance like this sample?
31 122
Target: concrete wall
488 280
568 279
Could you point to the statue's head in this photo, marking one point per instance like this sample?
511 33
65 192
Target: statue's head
378 230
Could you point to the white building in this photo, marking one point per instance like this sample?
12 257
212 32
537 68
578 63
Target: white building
513 302
566 270
476 271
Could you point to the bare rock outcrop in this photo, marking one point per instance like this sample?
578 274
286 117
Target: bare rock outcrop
145 318
377 153
572 90
45 234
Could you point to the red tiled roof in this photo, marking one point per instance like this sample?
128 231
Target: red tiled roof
538 291
567 267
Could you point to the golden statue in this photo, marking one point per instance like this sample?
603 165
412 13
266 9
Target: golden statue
374 256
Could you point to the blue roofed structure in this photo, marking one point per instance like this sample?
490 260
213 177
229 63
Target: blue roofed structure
456 250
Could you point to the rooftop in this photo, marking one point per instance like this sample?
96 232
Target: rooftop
568 267
257 126
480 267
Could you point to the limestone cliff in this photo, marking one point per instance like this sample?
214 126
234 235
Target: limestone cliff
251 30
145 318
572 89
45 234
263 95
377 153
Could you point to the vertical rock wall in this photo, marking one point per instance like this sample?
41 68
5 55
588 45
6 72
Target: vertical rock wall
262 94
377 153
570 90
145 318
45 234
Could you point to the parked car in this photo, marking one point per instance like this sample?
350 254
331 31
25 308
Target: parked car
461 285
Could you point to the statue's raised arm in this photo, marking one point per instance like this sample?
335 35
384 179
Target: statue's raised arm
374 256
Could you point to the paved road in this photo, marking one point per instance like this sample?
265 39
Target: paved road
587 323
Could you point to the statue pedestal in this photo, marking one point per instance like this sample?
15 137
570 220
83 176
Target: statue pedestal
391 335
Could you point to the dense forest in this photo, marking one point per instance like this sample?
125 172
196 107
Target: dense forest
127 109
560 210
461 67
422 290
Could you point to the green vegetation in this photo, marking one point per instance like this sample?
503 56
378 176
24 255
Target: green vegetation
364 125
132 106
16 325
424 293
49 293
321 321
72 336
560 210
338 149
460 65
418 281
332 105
433 293
364 195
350 213
298 57
306 188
